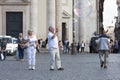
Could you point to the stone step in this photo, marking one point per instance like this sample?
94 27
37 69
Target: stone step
43 50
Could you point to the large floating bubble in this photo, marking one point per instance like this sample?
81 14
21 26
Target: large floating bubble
83 8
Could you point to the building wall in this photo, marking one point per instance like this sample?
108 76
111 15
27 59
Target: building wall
0 20
85 26
14 6
40 25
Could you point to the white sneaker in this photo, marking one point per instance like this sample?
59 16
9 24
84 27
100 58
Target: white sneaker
2 56
33 67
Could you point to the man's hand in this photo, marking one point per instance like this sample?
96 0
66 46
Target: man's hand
54 36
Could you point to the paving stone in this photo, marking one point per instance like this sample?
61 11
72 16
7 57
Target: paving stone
77 67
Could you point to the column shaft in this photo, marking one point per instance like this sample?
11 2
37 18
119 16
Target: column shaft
51 13
59 18
34 16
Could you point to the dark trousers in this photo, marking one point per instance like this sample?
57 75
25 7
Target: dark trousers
21 53
103 55
82 49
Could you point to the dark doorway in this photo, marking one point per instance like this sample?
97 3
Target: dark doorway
14 23
63 32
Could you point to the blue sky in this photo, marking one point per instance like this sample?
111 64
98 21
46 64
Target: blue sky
110 10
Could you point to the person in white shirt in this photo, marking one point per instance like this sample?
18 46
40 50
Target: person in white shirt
103 47
82 46
31 42
54 49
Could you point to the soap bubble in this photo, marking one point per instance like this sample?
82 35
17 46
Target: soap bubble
83 8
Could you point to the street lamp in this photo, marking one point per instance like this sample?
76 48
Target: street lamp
73 31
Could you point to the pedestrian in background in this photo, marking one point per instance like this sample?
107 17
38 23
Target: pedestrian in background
60 47
41 41
66 42
20 47
3 46
116 47
78 47
54 49
31 42
103 44
82 46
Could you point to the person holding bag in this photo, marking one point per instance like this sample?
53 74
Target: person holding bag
31 42
20 46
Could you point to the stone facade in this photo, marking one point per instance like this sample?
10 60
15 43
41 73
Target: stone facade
38 15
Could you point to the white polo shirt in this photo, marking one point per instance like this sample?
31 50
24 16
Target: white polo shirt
52 43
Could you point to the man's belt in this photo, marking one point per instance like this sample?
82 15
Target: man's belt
53 48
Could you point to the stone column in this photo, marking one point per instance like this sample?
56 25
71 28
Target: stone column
59 18
34 15
51 13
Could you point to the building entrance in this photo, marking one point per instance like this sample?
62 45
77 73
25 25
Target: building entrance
64 32
14 23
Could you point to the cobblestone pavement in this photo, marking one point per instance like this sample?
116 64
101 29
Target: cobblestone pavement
77 67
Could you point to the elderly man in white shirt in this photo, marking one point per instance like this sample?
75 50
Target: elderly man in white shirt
54 49
103 42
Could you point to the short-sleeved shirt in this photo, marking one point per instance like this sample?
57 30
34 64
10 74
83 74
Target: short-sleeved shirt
52 43
31 40
103 42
